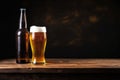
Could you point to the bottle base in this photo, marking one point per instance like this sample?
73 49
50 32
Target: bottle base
22 61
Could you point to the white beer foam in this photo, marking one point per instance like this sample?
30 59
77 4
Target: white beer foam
37 29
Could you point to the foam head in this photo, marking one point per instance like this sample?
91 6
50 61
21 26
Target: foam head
37 29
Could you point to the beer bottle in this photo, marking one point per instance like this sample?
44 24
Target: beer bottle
22 39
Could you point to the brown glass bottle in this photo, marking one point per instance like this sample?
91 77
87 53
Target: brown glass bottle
22 39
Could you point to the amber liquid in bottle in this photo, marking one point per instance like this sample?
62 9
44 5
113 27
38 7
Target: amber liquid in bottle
22 39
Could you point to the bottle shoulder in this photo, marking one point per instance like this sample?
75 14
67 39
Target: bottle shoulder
22 31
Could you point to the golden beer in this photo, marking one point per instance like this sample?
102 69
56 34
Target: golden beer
38 41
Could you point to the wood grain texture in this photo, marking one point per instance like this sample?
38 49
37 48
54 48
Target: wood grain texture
63 66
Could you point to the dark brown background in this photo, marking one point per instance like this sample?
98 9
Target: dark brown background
75 28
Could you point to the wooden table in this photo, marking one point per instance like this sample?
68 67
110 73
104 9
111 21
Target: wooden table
61 69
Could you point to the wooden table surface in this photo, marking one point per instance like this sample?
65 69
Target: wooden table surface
63 66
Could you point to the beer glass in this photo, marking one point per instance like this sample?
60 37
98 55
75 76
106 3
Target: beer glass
38 39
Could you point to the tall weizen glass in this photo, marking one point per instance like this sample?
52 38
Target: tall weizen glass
38 40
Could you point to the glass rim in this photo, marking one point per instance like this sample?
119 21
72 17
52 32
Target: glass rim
38 28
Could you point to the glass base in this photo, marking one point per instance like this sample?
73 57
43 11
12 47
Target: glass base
38 62
35 61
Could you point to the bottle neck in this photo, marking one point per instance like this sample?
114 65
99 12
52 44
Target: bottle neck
23 21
